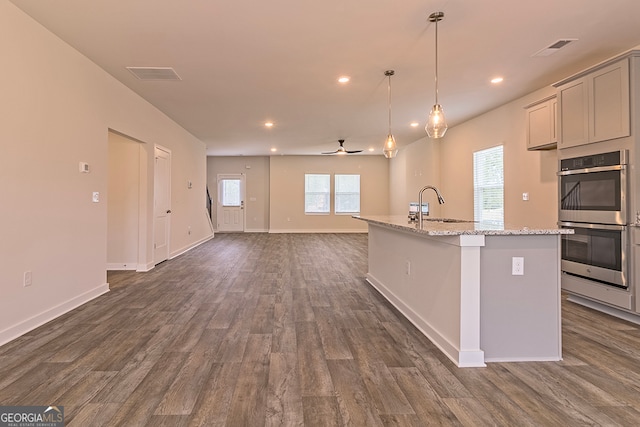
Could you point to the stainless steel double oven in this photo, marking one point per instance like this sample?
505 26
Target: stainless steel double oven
593 201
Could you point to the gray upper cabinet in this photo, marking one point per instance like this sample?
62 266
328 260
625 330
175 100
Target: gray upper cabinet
594 106
541 124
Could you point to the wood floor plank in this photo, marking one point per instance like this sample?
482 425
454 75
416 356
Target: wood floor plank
249 403
214 401
563 399
321 411
334 341
182 394
315 379
283 329
356 406
92 414
142 403
424 401
284 400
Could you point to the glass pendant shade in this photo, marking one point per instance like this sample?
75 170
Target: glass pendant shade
390 148
436 123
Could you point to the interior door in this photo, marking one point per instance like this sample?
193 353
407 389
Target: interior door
161 204
231 202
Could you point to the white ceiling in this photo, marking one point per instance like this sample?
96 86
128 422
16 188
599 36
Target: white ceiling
246 62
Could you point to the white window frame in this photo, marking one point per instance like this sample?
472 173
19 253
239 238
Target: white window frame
488 177
308 194
345 193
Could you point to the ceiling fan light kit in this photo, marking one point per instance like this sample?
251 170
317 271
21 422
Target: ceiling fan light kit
390 148
436 123
342 150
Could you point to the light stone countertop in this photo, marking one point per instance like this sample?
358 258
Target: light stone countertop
456 227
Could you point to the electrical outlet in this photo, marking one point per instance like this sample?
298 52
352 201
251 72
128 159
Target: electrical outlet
525 196
517 266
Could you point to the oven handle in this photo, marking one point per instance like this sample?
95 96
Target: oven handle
586 225
589 170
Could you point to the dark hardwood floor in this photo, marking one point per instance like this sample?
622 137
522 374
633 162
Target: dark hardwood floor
282 329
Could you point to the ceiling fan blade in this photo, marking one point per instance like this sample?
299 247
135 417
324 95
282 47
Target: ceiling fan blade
342 150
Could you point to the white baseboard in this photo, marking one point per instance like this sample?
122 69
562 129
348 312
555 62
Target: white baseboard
462 359
143 268
122 266
189 247
317 230
33 322
256 230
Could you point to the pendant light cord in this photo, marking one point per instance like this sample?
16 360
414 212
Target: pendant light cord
389 100
436 20
389 73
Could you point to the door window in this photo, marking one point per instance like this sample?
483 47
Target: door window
230 195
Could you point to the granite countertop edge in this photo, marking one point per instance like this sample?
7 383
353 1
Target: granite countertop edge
457 227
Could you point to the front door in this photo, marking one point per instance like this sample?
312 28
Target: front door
162 204
230 202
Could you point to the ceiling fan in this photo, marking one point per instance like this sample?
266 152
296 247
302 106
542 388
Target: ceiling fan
342 150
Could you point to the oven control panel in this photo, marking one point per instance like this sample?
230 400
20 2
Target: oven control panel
592 161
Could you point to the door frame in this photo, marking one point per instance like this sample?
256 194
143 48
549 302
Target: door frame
160 257
242 177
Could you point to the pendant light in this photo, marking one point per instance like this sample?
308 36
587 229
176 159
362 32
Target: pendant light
390 148
436 123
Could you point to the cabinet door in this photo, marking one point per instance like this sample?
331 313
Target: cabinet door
609 115
540 125
573 117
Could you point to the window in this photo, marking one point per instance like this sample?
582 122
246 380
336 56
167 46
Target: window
347 194
230 194
317 192
488 186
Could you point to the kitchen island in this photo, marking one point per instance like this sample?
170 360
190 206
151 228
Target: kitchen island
453 280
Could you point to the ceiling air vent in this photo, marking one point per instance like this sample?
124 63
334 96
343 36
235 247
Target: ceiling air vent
154 73
553 47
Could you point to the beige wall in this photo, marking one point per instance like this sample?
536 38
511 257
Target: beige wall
57 108
256 170
415 166
287 191
448 164
533 172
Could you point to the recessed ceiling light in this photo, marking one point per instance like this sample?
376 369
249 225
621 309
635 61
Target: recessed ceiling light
344 79
414 124
371 149
496 80
273 150
268 124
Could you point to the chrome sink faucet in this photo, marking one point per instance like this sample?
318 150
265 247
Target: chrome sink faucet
440 201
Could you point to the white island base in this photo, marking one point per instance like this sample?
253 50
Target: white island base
457 288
